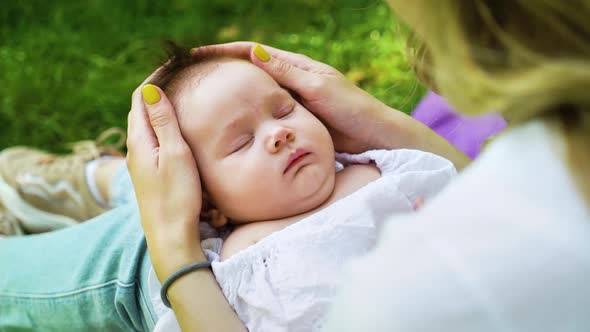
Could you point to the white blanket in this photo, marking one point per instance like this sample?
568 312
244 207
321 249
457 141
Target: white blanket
287 281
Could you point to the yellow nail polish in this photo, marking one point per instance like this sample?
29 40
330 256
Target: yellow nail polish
261 53
150 94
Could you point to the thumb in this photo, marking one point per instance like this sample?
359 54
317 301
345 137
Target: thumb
286 74
162 115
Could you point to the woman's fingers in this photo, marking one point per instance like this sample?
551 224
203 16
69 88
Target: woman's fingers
296 59
285 73
244 49
140 135
141 139
162 117
239 49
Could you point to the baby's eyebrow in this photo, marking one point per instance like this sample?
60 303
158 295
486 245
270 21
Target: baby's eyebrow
228 129
276 95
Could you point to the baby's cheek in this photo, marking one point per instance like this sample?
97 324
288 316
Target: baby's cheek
239 182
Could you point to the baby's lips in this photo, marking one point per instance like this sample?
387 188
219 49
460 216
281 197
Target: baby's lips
295 156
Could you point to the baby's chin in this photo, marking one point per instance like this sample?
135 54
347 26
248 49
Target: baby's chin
315 186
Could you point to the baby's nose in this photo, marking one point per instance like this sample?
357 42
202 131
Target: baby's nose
281 137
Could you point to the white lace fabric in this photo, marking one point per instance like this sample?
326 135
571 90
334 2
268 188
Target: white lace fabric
287 281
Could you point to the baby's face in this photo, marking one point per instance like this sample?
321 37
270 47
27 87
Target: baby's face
261 154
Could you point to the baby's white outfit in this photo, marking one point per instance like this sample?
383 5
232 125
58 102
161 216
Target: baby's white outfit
287 281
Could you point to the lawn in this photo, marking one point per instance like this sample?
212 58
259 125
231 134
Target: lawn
67 68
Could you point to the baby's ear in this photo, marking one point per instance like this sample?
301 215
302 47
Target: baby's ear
210 214
217 219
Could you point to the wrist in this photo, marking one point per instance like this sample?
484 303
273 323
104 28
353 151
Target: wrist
399 130
165 266
168 256
407 132
178 275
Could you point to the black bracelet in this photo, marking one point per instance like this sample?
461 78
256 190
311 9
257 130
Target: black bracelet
176 275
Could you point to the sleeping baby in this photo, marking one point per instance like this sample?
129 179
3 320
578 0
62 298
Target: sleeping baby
298 211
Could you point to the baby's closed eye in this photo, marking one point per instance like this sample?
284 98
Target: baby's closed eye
242 143
284 112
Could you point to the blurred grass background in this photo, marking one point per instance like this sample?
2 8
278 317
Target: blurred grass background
68 68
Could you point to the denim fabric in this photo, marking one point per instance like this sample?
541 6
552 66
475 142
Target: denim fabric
90 277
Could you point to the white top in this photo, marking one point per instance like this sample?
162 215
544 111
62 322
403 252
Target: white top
287 281
505 247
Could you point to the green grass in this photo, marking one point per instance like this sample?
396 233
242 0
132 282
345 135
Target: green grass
67 68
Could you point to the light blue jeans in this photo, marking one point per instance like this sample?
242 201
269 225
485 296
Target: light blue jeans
90 277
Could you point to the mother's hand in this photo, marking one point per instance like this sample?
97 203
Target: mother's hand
357 121
347 111
168 191
166 181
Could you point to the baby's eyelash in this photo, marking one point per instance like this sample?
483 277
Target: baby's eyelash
290 110
243 145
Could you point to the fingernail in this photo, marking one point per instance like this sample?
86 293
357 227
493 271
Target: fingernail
261 53
150 94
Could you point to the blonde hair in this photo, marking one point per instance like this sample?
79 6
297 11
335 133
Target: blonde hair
526 59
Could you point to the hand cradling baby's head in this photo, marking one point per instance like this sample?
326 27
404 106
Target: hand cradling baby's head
261 155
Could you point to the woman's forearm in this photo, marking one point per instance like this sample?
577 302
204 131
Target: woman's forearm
399 130
430 141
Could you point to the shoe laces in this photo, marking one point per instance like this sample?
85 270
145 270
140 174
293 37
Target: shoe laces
86 150
100 147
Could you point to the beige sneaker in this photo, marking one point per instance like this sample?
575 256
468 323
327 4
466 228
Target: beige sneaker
46 191
9 224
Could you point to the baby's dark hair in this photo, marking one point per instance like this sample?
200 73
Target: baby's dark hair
179 67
